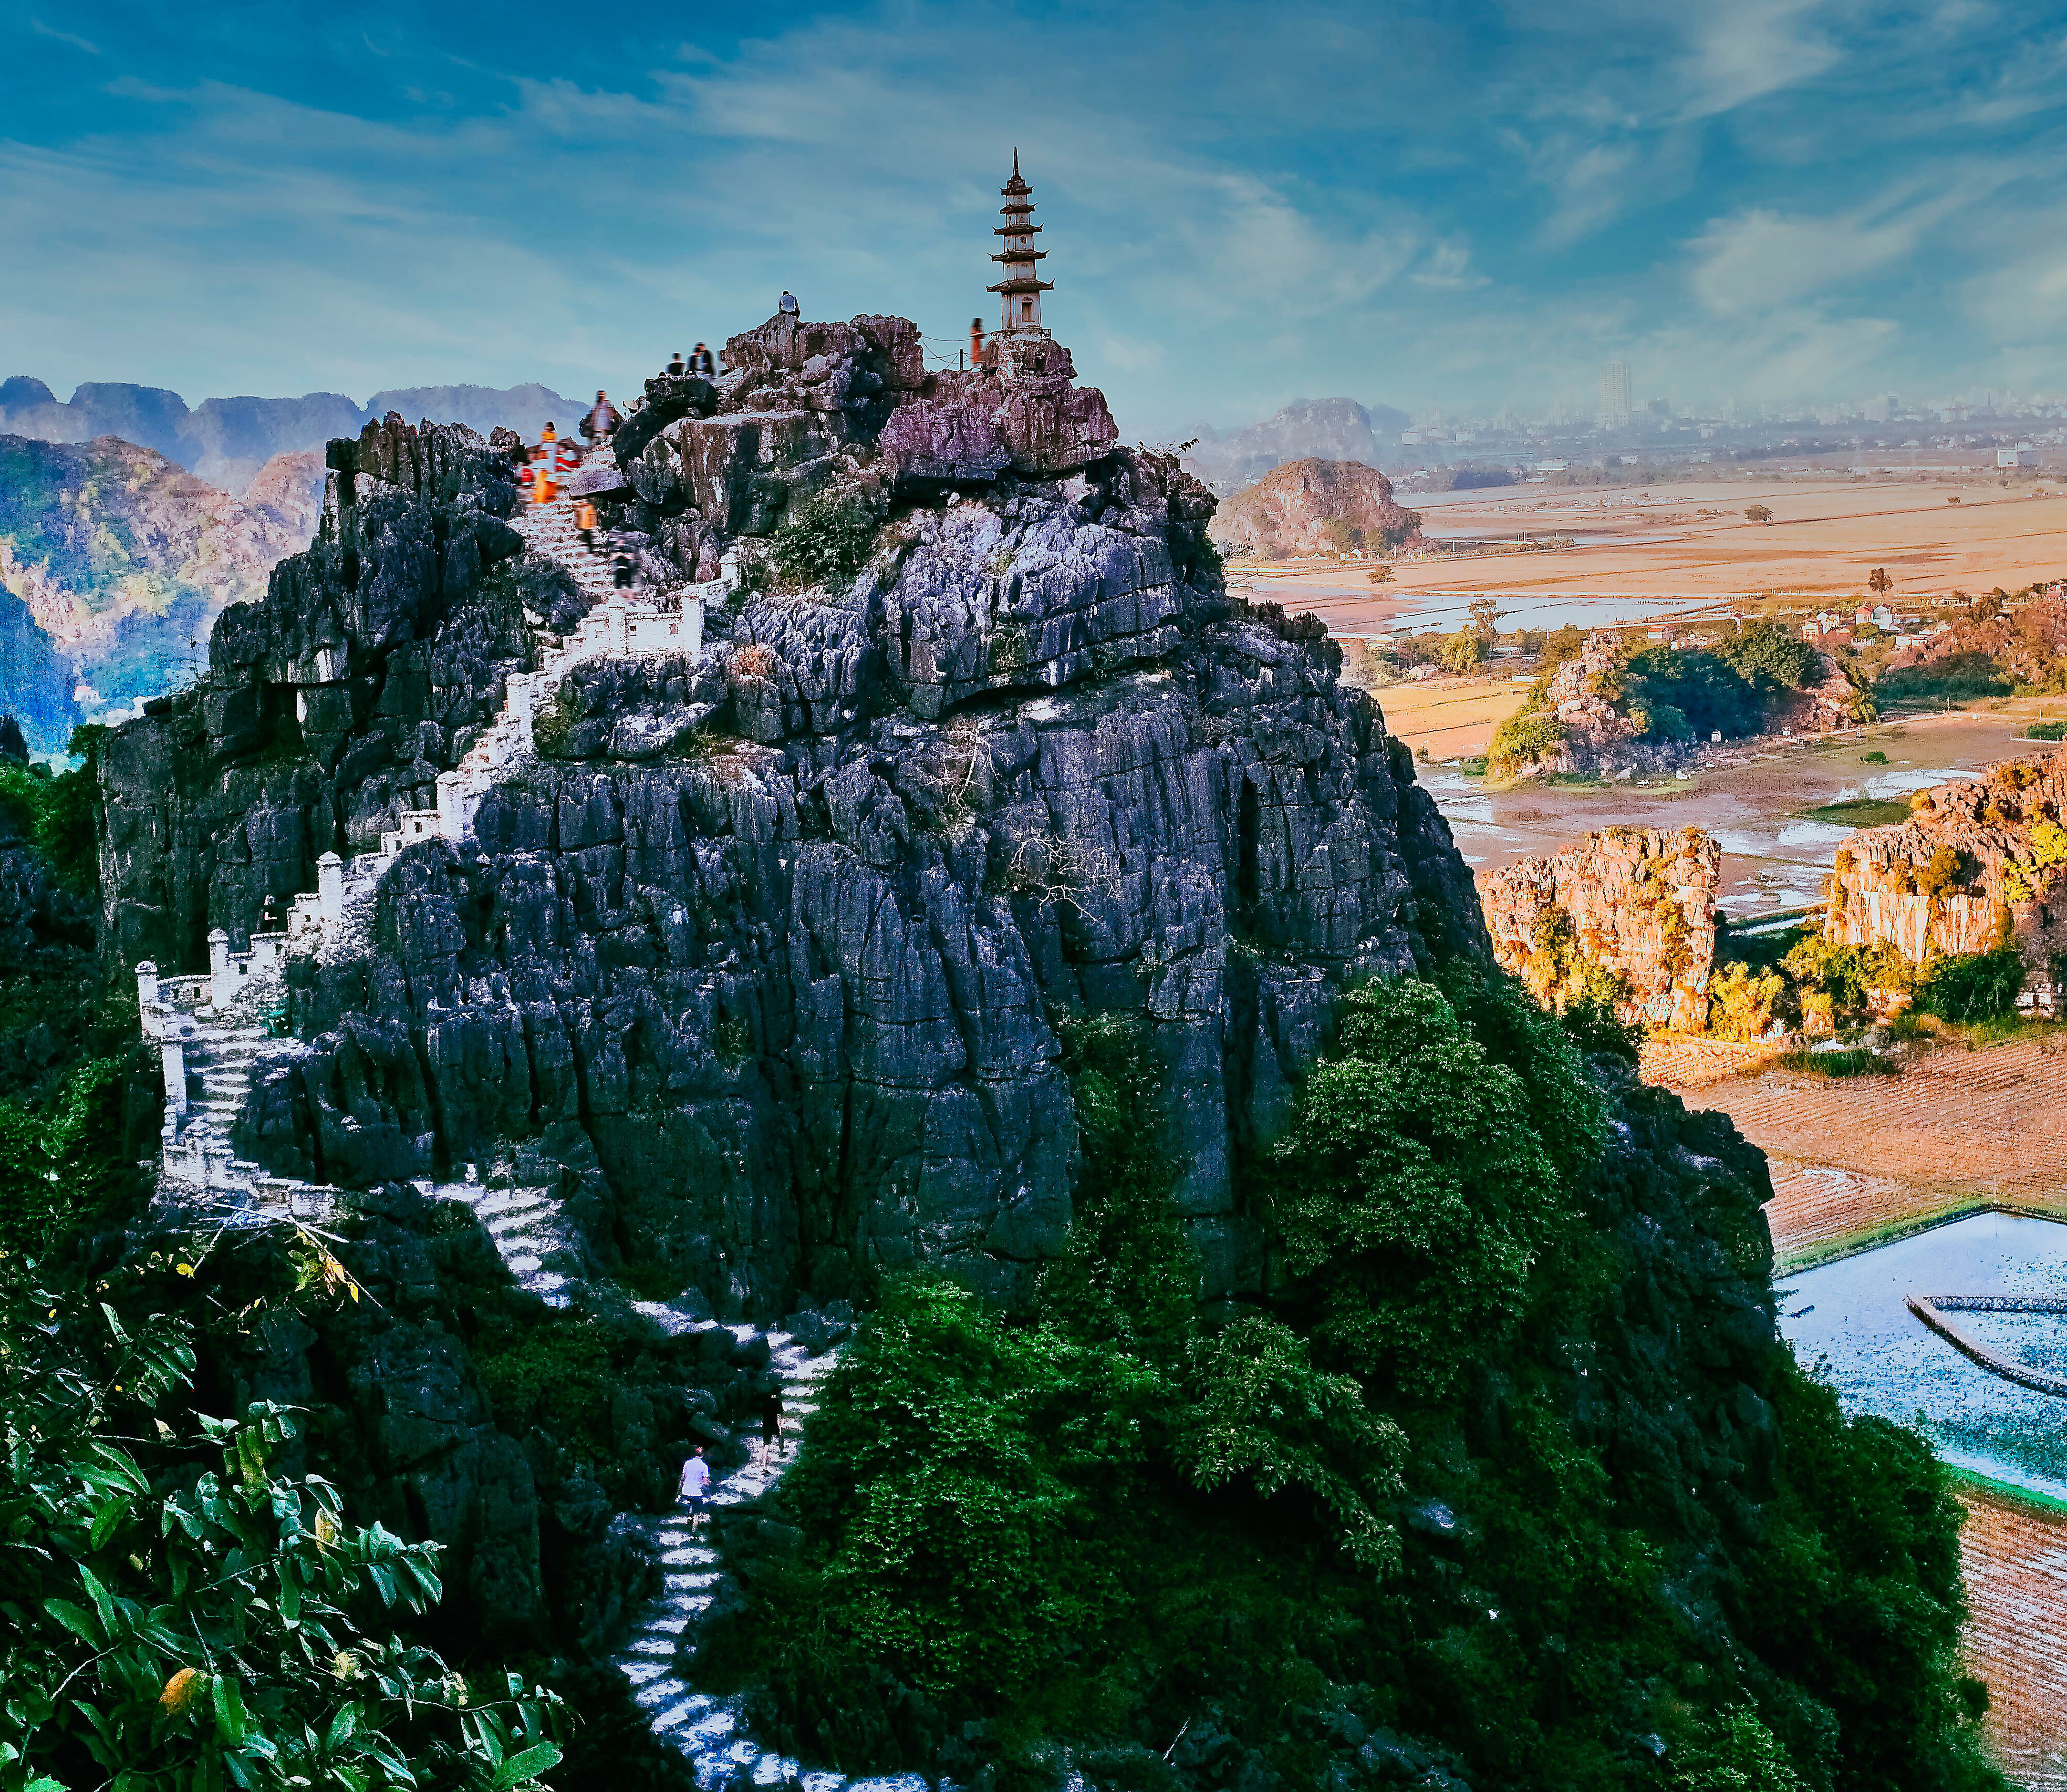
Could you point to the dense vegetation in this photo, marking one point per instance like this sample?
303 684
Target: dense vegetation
175 1612
1509 1484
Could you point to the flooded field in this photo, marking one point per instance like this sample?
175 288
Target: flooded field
1853 1315
1773 857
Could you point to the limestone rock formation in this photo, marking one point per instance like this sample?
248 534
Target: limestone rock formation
1981 862
1314 506
766 963
1635 903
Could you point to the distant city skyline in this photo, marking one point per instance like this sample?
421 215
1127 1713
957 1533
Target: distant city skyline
1786 202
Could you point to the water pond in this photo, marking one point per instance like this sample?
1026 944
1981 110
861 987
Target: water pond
1853 1316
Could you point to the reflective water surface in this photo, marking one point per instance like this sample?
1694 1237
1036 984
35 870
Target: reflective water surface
1881 1358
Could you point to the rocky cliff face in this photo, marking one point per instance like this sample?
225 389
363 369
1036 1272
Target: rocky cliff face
1980 863
766 959
121 561
1314 506
1634 903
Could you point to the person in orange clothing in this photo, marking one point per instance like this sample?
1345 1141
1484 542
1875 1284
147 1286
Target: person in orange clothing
976 342
585 524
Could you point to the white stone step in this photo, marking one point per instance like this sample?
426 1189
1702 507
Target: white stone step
640 1672
662 1646
689 1555
695 1706
660 1692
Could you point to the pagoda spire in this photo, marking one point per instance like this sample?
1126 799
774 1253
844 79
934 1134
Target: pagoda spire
1019 291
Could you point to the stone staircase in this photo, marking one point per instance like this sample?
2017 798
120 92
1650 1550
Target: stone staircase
526 1224
219 1029
709 1731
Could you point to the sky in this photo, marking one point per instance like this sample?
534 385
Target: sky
1463 204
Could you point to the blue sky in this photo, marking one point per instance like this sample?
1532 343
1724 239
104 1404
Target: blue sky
1460 204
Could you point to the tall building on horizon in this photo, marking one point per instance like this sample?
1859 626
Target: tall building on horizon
1616 404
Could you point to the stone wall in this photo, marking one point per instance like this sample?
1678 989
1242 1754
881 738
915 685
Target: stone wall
1635 903
2004 882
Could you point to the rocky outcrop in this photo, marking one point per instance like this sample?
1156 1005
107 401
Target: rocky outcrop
1634 903
762 970
329 706
1314 506
1982 862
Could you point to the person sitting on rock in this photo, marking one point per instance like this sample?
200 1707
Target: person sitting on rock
601 423
788 306
700 361
676 366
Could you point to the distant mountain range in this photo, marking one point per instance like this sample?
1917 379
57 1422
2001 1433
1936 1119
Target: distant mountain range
226 440
1323 428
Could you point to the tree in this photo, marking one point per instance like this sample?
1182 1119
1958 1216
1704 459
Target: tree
1416 1192
1485 616
1757 513
1462 651
1879 582
191 1628
1380 575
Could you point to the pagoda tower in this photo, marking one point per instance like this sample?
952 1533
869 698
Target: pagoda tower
1020 291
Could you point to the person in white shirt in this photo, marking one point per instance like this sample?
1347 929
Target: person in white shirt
695 1486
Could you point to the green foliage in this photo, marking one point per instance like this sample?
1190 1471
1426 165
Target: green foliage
1957 678
1876 757
1703 687
1525 737
1127 1273
1740 1001
1765 652
1415 1195
60 1169
1947 871
1732 1753
824 544
553 723
1846 973
1258 1409
558 1375
1972 986
1863 1062
57 814
180 1618
2046 731
1462 651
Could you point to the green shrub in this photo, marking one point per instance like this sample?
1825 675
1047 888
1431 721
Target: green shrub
826 543
1876 757
1947 871
1846 973
1972 986
1523 738
551 725
1462 651
2046 731
1767 653
1957 678
1741 1001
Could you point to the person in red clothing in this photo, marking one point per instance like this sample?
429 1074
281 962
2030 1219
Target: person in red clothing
976 342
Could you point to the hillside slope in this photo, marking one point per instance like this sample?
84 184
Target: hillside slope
1316 506
1284 1361
115 563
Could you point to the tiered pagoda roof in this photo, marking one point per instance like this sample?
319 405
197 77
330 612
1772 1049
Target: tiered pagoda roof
1021 275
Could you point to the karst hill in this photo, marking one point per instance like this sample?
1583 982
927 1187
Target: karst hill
1314 506
766 950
